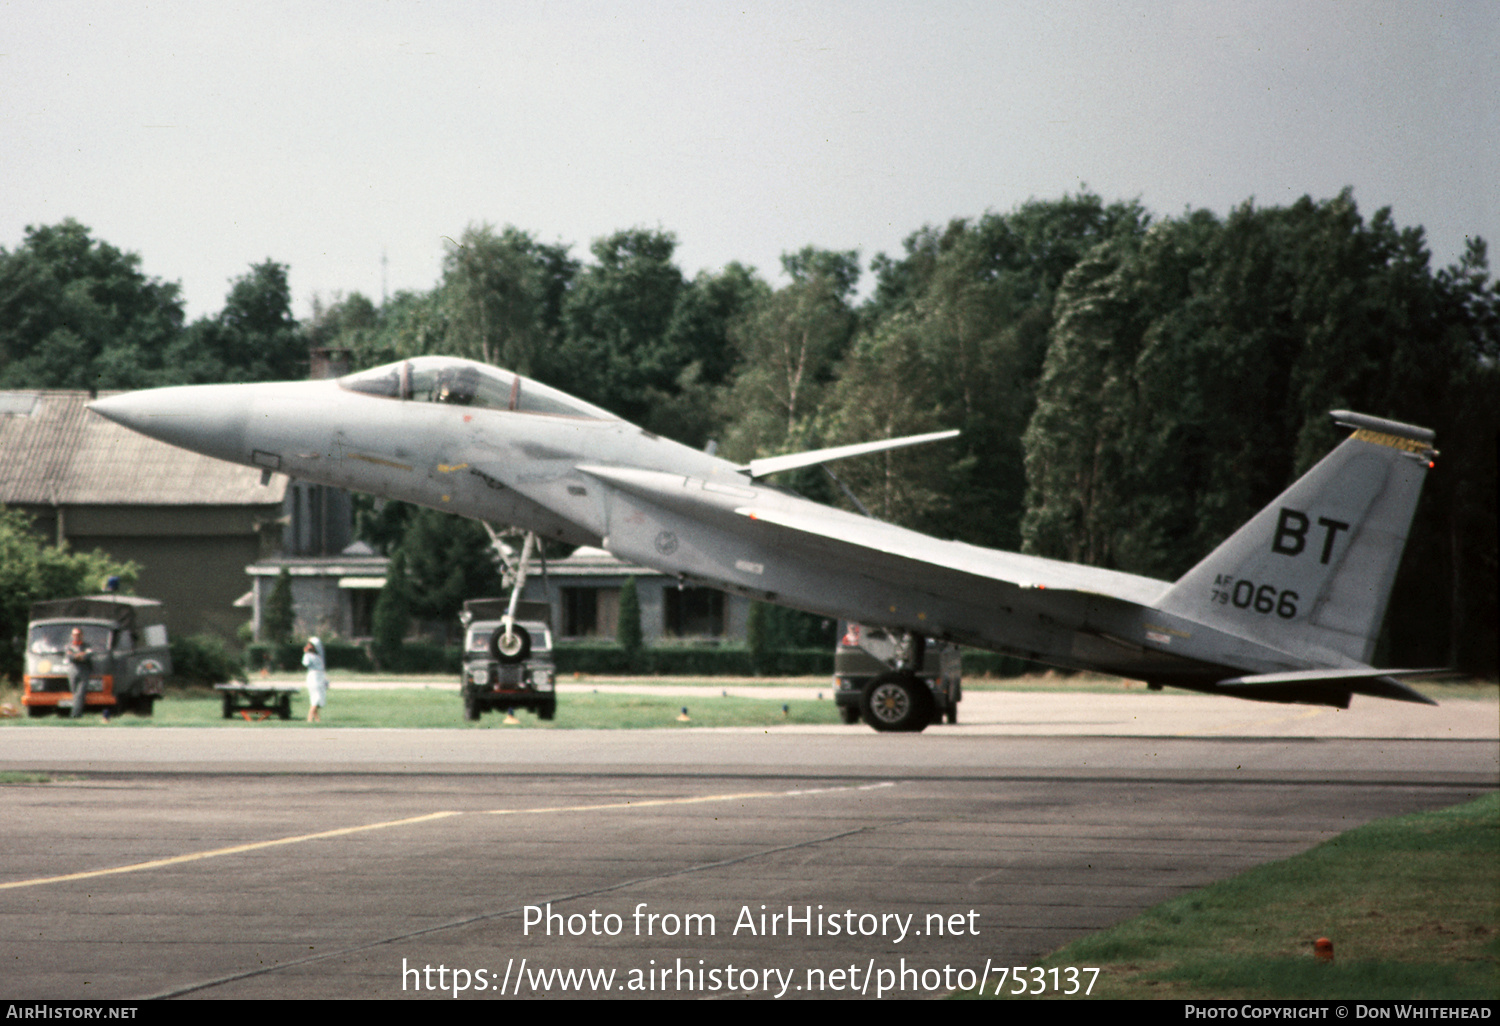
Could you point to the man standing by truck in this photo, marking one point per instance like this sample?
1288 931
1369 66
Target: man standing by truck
80 661
96 653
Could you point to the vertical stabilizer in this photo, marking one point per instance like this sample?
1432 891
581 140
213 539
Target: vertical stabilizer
1312 572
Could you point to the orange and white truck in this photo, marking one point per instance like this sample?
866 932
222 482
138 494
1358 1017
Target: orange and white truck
130 664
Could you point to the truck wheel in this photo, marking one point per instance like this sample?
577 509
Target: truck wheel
952 714
36 712
547 711
284 708
896 702
849 713
145 705
471 708
228 708
510 648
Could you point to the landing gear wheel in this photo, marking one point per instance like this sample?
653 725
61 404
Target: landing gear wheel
510 648
896 702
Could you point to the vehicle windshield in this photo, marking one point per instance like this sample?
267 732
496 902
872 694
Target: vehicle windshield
444 379
479 636
52 638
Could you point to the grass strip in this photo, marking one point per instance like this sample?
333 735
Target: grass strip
438 707
1410 904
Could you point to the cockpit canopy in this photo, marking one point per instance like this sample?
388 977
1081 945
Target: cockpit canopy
447 379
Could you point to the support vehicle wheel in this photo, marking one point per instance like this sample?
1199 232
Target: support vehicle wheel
547 711
849 713
896 702
228 708
471 708
284 708
510 648
952 714
38 711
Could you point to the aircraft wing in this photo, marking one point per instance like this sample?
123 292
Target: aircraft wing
907 557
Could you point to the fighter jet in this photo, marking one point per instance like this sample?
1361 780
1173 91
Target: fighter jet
1287 609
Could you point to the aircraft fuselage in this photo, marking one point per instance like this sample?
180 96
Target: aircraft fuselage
1301 589
605 482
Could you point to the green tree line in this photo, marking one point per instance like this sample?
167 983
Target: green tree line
1131 388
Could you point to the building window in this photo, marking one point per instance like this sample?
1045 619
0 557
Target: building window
694 612
362 612
590 612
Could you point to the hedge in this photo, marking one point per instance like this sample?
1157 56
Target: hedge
338 655
738 662
203 659
605 658
691 662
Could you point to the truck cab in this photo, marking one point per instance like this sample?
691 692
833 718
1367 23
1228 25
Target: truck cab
895 682
496 679
131 658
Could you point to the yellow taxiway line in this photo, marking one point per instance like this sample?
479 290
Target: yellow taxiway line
238 849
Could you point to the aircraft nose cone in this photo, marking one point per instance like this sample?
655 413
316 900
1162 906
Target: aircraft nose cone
204 418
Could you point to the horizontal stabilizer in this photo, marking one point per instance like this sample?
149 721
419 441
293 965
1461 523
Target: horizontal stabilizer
1360 681
775 464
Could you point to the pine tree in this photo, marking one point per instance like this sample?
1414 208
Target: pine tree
392 616
757 638
280 615
629 632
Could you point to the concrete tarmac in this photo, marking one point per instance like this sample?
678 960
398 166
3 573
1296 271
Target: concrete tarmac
795 862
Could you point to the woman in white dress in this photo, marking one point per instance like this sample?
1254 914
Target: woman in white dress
317 678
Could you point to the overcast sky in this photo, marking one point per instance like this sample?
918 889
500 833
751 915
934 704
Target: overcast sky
348 140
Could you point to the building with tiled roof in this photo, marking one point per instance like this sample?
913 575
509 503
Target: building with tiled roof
191 523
